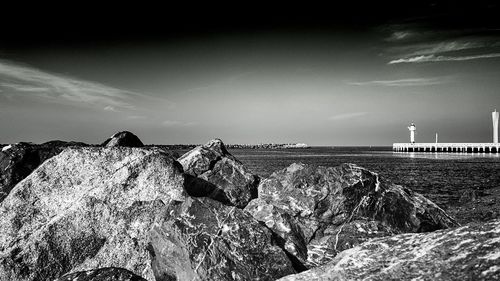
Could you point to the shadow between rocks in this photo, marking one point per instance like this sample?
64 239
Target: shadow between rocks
197 187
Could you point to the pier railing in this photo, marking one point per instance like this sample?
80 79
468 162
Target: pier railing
447 147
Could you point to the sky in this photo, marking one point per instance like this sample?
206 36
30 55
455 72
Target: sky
347 75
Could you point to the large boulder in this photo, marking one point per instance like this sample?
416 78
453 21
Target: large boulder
17 161
211 171
125 138
470 252
318 211
86 208
102 274
202 239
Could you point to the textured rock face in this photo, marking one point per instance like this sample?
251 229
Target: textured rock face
211 171
202 158
210 241
470 252
319 211
102 274
17 161
124 138
86 208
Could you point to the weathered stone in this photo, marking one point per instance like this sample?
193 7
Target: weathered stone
320 211
86 208
102 274
289 234
470 252
202 158
17 161
202 239
124 138
223 177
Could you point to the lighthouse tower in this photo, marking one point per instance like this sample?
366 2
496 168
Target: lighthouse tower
412 129
494 118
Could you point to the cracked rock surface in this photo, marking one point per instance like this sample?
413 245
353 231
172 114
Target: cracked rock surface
470 252
318 211
86 208
17 161
202 239
211 171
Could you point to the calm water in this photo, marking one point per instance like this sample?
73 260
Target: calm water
441 177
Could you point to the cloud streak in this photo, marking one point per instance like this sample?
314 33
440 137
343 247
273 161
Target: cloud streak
62 89
438 48
346 116
441 58
410 82
416 43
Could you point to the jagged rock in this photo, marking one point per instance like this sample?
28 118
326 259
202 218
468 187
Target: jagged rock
102 274
124 138
17 161
320 211
210 241
211 171
86 208
469 252
202 158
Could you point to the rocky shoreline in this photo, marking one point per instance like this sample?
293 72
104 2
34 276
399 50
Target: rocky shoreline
125 211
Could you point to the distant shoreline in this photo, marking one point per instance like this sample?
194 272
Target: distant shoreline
241 146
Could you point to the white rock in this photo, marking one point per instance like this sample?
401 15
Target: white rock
5 148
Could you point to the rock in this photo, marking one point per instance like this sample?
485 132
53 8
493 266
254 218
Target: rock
102 274
320 211
469 252
223 177
124 138
203 158
17 161
210 241
86 208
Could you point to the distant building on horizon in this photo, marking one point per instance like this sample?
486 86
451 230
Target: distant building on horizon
494 118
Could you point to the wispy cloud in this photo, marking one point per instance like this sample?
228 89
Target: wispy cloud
400 35
24 88
437 47
402 82
175 123
110 108
416 43
346 116
63 89
438 58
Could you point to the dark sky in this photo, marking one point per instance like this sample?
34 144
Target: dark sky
350 74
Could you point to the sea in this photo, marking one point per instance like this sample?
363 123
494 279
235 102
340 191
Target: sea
441 177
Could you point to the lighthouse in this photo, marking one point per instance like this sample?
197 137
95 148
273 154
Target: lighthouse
494 118
412 129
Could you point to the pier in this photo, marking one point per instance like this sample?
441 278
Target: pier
447 147
413 146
